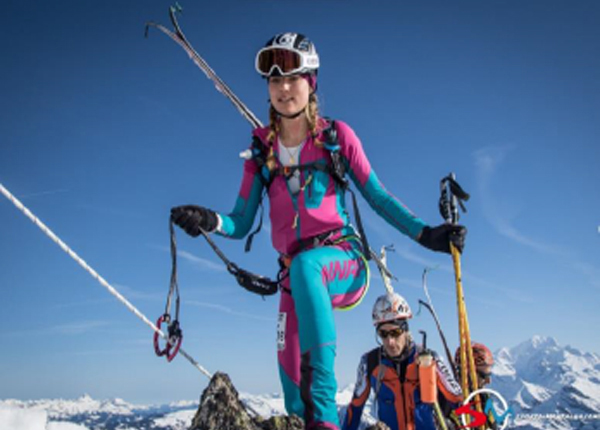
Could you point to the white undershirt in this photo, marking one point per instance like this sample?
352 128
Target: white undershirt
291 157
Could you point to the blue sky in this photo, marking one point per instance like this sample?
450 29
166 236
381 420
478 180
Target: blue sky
103 131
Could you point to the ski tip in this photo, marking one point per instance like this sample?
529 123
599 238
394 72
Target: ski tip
176 8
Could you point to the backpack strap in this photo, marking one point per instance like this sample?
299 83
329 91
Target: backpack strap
260 154
374 361
332 144
338 172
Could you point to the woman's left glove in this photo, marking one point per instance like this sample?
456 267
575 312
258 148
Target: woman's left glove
439 238
193 218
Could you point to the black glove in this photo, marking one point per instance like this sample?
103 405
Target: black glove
192 218
438 238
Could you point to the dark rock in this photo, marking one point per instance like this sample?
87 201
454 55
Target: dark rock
221 409
281 423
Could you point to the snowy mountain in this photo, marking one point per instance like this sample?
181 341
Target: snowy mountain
86 413
541 379
538 378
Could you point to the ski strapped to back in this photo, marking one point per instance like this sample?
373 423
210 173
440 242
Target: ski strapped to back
46 230
182 41
383 270
429 306
453 196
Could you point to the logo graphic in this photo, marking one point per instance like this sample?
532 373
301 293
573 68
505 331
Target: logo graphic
285 39
489 414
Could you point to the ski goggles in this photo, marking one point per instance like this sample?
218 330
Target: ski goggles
394 333
285 61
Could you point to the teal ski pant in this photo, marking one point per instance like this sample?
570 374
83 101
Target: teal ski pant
320 280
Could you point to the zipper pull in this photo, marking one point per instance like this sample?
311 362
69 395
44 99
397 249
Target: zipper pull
295 223
308 181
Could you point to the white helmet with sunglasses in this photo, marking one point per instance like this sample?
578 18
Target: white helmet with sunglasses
390 307
287 54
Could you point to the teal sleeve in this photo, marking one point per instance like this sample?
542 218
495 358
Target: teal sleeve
388 206
371 188
238 223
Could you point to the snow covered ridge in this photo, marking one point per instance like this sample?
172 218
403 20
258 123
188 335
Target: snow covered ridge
86 413
548 387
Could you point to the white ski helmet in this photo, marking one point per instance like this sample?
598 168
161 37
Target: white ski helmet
390 307
287 54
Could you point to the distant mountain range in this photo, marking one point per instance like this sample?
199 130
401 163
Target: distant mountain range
92 414
539 379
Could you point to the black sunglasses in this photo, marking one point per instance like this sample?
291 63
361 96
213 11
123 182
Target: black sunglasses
395 333
484 375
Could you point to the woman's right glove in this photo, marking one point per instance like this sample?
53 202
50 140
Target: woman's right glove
192 219
439 238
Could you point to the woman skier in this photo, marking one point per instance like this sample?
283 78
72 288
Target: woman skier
301 159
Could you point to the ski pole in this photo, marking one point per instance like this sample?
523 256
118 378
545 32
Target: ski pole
453 195
440 416
467 361
46 230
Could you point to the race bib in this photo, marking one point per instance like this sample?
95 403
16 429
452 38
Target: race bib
281 323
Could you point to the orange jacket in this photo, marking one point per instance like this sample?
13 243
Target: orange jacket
398 397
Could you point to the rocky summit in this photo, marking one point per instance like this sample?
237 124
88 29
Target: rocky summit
221 409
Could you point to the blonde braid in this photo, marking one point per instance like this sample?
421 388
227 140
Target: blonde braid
312 115
273 124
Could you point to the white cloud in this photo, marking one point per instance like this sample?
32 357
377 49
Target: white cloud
487 161
227 310
586 269
77 328
43 193
133 293
201 263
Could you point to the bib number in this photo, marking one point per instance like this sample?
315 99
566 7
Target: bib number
281 323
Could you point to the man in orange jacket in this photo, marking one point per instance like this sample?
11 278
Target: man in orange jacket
392 372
